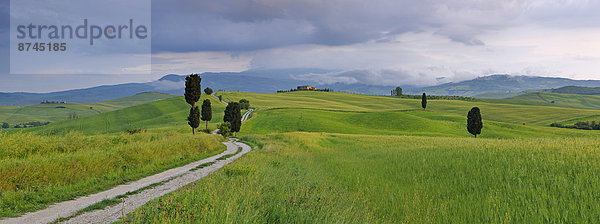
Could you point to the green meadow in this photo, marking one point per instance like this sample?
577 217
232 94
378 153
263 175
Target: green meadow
302 177
335 157
58 112
324 157
76 157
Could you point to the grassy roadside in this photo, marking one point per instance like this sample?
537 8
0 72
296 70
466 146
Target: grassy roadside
324 178
36 171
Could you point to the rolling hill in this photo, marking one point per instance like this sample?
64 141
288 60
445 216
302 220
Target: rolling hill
269 81
56 112
171 112
577 90
553 100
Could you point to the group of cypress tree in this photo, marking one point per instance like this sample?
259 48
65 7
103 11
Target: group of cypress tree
193 91
474 123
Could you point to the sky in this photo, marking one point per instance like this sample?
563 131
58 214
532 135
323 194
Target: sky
380 42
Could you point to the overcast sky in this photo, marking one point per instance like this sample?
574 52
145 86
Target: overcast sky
386 42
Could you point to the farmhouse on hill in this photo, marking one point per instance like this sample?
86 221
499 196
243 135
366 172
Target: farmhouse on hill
306 88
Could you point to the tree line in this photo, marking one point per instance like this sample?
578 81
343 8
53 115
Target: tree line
584 125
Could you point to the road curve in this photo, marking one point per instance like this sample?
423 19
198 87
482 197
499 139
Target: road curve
179 177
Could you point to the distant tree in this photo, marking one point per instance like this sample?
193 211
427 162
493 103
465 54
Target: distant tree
206 112
244 104
220 98
17 126
397 91
424 101
5 125
474 123
224 129
233 115
193 91
208 91
194 119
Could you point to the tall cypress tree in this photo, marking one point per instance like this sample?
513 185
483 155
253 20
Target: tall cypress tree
236 123
228 114
474 123
194 118
193 90
424 101
206 112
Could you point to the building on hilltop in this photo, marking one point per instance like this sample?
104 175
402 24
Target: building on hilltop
306 88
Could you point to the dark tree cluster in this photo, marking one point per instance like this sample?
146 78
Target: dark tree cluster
294 90
244 104
5 125
397 91
208 91
584 125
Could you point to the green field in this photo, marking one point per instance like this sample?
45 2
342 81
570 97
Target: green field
553 100
170 112
339 178
493 111
334 157
337 157
58 112
75 157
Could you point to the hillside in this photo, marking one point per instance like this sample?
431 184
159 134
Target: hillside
334 157
56 112
171 112
553 100
501 112
269 81
577 90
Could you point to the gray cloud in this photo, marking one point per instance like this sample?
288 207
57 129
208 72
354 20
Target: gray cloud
372 77
258 24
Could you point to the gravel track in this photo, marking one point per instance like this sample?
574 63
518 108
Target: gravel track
179 176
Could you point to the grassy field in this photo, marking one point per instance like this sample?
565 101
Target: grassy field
547 99
36 171
340 178
502 112
170 112
75 157
333 157
411 122
58 112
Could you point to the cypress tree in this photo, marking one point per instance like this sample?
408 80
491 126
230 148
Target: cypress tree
474 123
236 117
206 112
193 90
194 118
424 101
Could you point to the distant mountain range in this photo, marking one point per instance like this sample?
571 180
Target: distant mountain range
504 84
269 81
